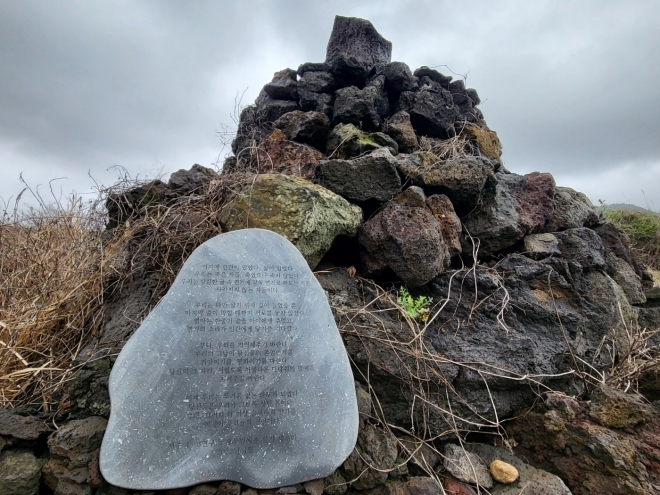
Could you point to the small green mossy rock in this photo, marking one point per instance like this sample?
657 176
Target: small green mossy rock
347 141
306 214
486 140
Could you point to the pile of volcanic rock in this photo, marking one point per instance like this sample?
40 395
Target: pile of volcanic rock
351 139
360 146
395 172
361 161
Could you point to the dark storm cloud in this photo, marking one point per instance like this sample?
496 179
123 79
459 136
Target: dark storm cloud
570 87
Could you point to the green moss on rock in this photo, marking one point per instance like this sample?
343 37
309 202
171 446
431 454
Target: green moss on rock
307 214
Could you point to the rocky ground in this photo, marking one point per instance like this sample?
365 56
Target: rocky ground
535 350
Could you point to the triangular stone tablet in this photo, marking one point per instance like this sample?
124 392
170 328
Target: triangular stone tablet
239 373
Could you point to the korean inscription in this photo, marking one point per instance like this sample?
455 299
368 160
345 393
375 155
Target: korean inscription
239 373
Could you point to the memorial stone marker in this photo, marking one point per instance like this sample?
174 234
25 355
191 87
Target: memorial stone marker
239 373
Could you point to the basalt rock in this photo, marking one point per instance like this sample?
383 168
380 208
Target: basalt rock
559 436
486 142
374 455
399 128
405 238
464 100
431 108
318 82
23 431
279 155
365 108
136 201
462 180
193 181
251 131
347 141
305 127
20 472
571 209
398 78
369 178
582 246
74 448
540 246
434 75
284 85
512 206
552 289
317 102
269 109
466 466
316 91
308 215
532 480
355 50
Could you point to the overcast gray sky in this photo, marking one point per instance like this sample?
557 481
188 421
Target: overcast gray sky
571 87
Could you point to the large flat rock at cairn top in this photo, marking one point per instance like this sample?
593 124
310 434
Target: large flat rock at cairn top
239 374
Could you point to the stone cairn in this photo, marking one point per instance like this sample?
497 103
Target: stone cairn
363 163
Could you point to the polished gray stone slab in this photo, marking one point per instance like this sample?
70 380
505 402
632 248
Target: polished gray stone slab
239 373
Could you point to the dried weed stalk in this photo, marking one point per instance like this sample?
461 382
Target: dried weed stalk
59 266
632 355
51 292
455 147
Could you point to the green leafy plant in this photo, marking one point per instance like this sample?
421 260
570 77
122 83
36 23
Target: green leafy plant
643 230
417 307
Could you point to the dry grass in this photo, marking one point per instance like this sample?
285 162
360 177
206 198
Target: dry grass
453 148
51 292
58 268
643 231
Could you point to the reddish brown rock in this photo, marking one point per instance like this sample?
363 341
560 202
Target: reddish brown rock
277 155
455 487
406 238
512 206
450 224
559 436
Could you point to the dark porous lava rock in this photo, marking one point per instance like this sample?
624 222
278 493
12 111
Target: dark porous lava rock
355 50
